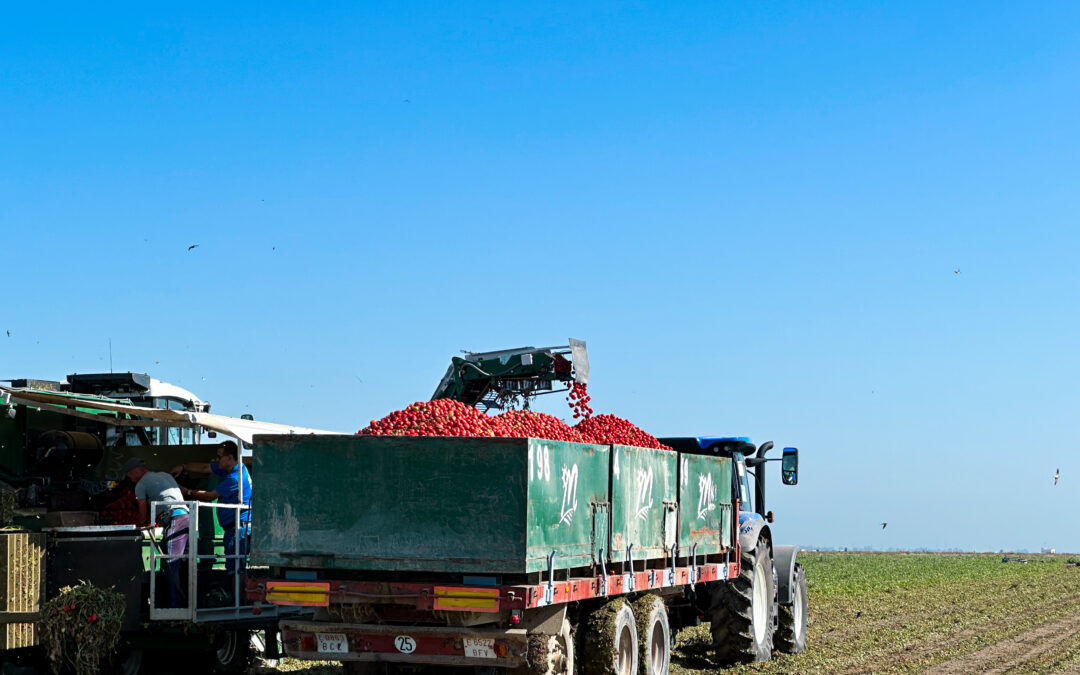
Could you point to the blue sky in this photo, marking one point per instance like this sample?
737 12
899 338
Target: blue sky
751 212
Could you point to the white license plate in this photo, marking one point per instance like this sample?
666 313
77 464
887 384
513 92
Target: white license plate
332 643
479 648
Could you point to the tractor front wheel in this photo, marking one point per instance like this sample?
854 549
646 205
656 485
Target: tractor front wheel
791 634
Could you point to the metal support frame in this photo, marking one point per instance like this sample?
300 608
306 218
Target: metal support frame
192 612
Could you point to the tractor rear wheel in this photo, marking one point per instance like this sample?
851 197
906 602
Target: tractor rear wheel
741 610
791 634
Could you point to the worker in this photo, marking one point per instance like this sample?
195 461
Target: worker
158 486
234 488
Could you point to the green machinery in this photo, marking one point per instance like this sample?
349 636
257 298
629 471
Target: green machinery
507 378
62 449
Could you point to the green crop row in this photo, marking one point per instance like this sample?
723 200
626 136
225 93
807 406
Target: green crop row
912 613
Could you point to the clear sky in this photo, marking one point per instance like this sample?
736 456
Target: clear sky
752 212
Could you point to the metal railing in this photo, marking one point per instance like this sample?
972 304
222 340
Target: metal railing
159 559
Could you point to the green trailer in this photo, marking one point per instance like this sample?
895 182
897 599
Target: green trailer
488 552
444 505
506 506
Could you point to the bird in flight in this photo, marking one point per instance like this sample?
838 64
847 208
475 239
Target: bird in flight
9 333
883 525
1057 472
956 271
193 246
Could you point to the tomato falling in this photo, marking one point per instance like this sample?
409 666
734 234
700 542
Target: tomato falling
579 400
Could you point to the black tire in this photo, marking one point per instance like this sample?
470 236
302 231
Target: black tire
791 633
742 630
654 636
230 652
610 641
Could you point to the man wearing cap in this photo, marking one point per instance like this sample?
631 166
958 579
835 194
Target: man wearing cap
234 488
158 486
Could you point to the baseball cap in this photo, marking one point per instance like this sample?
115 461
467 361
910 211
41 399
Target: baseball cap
133 463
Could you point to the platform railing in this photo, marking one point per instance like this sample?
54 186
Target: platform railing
159 557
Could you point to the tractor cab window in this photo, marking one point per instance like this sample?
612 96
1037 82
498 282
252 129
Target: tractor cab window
745 503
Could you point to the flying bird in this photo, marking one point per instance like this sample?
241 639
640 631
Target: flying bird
956 271
193 246
1057 473
883 525
9 333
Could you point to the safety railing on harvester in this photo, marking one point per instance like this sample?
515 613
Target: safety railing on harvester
188 580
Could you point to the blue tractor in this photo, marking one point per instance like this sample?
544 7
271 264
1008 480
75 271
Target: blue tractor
765 607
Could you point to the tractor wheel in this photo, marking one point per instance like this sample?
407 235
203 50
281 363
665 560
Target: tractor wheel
550 654
741 610
791 634
654 636
611 641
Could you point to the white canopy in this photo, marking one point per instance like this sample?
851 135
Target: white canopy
65 403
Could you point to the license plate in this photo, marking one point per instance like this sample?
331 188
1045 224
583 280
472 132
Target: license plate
479 648
332 643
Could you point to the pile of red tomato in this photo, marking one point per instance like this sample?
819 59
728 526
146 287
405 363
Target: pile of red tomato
446 417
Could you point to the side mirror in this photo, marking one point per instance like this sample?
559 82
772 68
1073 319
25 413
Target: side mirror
789 466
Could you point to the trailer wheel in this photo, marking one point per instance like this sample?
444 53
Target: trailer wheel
741 610
551 654
231 652
791 634
654 635
611 641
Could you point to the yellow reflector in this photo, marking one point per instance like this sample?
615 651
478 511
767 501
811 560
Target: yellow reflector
467 599
305 593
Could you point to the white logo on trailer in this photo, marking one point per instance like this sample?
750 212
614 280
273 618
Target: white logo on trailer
706 495
644 492
569 498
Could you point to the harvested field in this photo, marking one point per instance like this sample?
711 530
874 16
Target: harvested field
886 613
896 613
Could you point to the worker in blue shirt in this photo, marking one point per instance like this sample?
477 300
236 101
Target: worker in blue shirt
234 488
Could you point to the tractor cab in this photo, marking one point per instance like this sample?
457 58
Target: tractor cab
749 459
